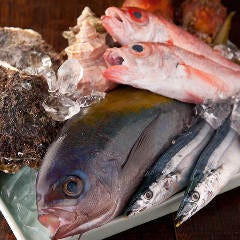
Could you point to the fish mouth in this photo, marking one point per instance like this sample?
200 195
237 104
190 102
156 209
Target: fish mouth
51 222
185 212
113 58
51 219
115 13
117 70
61 228
114 22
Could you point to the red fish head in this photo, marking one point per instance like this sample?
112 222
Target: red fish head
122 23
128 64
128 25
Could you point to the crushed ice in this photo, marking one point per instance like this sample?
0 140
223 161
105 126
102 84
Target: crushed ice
235 116
229 51
65 100
215 113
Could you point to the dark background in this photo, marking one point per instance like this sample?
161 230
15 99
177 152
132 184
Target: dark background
220 220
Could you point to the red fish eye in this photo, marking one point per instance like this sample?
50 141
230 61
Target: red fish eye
73 186
137 15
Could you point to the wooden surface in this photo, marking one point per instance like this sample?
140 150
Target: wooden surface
220 220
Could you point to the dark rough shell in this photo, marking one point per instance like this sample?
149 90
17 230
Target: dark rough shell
25 129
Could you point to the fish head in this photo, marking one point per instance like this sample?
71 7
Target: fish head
130 24
74 196
125 63
199 194
136 63
157 192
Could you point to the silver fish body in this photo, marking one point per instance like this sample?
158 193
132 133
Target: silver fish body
217 164
171 172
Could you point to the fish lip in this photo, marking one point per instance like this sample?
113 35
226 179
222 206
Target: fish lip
185 212
54 212
112 58
63 232
115 13
55 218
114 22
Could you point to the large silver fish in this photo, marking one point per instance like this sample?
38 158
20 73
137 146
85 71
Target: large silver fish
94 166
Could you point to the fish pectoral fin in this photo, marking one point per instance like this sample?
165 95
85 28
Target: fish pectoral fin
141 147
147 148
152 141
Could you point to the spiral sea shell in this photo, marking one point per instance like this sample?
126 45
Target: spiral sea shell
88 45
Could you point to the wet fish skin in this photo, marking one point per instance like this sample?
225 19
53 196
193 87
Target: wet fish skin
172 171
106 151
216 165
171 71
130 25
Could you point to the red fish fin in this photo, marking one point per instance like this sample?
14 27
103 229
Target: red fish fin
116 73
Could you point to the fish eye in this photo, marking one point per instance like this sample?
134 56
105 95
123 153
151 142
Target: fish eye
137 14
148 195
138 48
195 196
73 186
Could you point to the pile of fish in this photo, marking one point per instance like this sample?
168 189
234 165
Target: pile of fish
138 141
165 59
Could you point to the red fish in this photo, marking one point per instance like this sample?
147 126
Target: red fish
131 25
171 71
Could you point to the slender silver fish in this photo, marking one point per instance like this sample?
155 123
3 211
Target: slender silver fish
217 164
171 172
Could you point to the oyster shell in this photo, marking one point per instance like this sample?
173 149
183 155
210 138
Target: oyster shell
26 130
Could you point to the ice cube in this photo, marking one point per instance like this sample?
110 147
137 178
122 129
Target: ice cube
215 113
60 107
69 75
235 117
87 101
229 51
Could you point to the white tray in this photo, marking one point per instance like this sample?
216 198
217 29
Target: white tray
118 225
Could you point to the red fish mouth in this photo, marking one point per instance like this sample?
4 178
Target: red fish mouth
51 222
118 64
113 22
115 13
113 58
